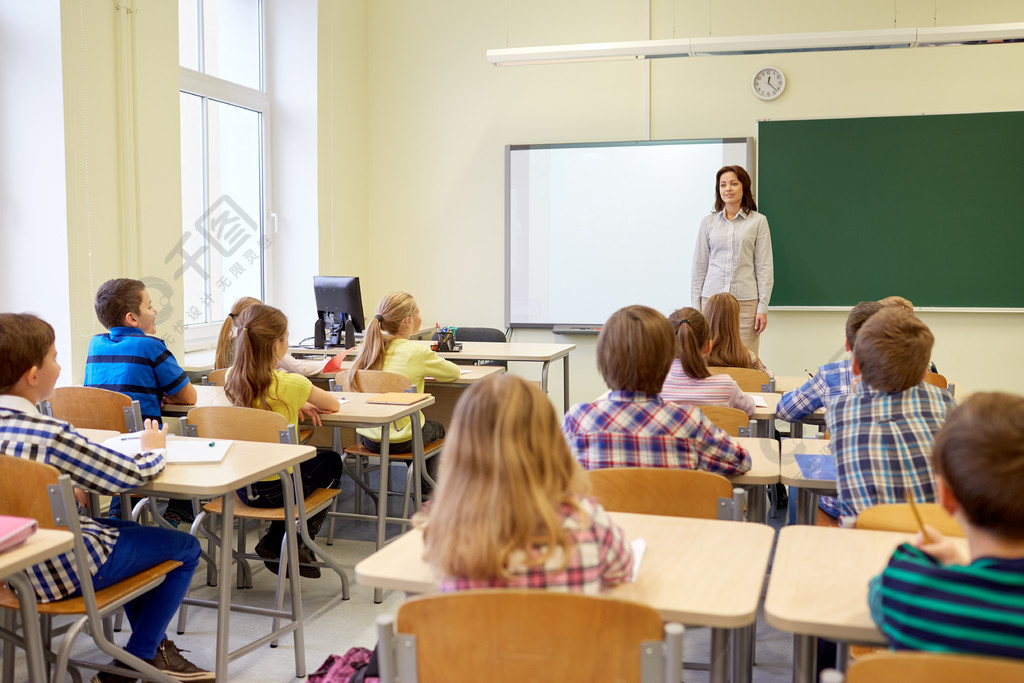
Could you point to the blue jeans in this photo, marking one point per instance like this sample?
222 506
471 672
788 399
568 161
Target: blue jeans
137 549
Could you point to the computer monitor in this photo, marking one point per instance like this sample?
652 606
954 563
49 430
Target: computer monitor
338 300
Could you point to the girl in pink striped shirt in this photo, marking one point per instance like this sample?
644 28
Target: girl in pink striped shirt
689 380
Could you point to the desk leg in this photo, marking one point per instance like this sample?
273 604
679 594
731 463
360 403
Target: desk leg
224 598
382 497
742 654
806 504
30 625
796 430
719 668
544 375
291 490
565 383
756 504
805 655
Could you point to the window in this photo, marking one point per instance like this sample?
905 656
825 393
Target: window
224 178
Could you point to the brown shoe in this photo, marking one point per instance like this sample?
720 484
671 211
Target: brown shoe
169 660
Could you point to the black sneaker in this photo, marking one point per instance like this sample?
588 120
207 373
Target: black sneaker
169 660
107 677
305 555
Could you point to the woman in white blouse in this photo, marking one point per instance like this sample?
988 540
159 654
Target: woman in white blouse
734 254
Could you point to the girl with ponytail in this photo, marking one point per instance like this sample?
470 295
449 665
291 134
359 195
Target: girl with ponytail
689 380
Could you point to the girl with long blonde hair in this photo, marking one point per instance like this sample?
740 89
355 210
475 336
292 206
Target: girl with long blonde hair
387 346
722 311
511 508
255 382
689 380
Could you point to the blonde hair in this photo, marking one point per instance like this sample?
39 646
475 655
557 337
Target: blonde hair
692 334
252 376
897 301
635 350
723 315
892 350
381 330
225 340
505 476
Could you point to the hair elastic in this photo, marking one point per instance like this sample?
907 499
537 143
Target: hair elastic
379 317
231 315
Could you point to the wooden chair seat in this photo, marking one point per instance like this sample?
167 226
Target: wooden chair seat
243 511
927 667
660 491
360 450
899 517
748 379
104 598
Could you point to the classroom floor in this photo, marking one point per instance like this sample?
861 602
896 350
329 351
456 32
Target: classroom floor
333 625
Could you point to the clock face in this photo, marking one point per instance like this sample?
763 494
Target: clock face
768 83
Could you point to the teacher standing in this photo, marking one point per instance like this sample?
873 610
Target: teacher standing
734 254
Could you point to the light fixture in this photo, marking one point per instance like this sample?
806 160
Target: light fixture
824 41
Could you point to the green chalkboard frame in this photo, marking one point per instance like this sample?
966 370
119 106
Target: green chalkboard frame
919 206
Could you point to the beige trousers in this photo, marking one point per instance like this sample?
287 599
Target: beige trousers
748 311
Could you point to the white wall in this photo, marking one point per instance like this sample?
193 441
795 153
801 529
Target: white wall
33 213
438 117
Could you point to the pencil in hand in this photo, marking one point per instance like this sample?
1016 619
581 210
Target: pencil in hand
917 516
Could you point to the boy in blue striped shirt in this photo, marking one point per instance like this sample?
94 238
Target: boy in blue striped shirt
117 549
931 598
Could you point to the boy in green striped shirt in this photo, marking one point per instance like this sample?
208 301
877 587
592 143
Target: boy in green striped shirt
931 598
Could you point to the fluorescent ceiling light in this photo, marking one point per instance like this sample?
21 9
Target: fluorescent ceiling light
824 41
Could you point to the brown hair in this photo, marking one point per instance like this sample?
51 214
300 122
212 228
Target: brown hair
117 298
506 473
897 301
859 315
381 331
252 376
979 452
24 342
635 350
225 340
692 334
723 315
892 350
747 204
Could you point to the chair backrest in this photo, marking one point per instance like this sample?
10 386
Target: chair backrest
936 379
240 424
478 334
729 419
660 491
507 635
372 381
216 377
23 485
899 517
95 408
928 667
748 379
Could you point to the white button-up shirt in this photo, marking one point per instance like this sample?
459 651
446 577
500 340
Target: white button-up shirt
735 257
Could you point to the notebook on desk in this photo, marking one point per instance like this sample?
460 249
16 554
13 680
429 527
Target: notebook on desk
397 398
817 466
15 530
180 450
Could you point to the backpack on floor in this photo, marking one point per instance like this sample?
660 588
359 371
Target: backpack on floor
346 668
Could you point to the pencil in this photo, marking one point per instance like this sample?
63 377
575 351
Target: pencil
917 516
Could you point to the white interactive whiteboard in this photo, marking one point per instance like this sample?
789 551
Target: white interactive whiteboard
590 228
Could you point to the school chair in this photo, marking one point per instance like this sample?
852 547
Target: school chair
733 420
748 379
937 380
478 334
899 517
252 424
506 636
663 491
34 489
94 408
928 667
380 382
215 378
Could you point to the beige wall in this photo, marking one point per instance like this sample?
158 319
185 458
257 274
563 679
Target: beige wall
437 117
113 229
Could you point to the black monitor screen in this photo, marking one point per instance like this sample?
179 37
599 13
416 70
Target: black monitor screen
338 298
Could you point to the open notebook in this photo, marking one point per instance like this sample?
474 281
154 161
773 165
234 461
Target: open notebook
180 450
399 398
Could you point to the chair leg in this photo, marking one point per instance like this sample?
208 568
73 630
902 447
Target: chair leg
8 654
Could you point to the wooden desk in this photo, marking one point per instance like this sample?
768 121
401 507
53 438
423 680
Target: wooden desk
40 546
819 587
808 490
544 354
245 462
764 470
695 571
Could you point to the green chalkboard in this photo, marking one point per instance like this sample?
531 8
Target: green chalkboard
925 207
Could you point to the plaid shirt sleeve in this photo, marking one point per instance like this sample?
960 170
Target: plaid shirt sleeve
800 403
616 552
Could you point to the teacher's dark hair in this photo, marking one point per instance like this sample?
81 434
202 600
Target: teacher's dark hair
748 204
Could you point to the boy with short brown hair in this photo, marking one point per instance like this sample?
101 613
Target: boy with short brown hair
930 597
633 427
882 433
